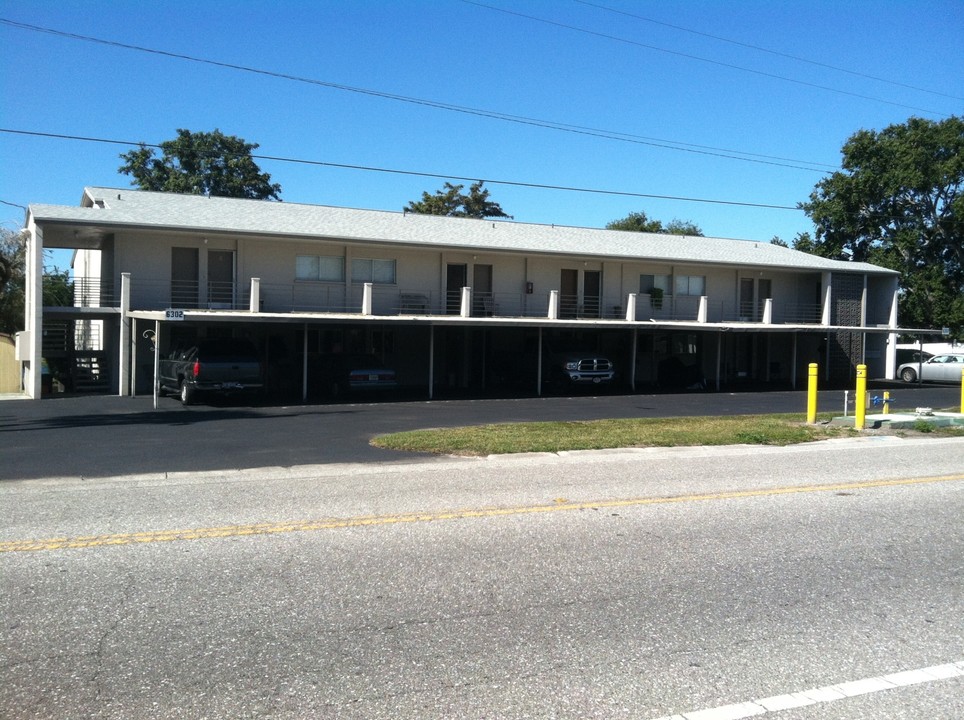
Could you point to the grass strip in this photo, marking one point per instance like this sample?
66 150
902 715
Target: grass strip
504 438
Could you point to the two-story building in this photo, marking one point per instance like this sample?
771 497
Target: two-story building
454 305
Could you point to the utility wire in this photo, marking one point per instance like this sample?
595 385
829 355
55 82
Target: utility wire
689 56
415 173
549 124
797 58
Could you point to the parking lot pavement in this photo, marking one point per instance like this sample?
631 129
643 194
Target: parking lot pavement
102 436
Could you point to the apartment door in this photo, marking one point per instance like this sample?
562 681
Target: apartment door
456 278
747 309
591 291
482 290
764 292
184 277
568 293
221 278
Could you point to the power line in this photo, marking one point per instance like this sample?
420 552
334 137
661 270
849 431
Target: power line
689 56
777 53
415 173
492 114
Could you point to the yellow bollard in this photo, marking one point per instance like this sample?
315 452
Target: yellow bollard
860 410
886 402
812 394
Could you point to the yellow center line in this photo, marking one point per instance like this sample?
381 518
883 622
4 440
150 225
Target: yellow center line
229 531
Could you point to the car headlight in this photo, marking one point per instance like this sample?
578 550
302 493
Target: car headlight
572 365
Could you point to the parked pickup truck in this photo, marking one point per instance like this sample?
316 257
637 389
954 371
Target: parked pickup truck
218 366
579 368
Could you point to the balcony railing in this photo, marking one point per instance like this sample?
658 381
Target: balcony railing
320 297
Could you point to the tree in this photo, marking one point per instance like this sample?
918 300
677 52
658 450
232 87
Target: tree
640 222
683 227
897 202
201 164
57 287
12 260
451 201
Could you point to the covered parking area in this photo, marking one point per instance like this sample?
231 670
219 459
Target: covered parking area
437 356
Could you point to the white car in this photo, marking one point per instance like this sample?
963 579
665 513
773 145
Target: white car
940 368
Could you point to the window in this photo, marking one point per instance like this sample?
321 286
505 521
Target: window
320 267
691 285
381 272
660 282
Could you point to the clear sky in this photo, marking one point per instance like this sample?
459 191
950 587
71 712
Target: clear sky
658 98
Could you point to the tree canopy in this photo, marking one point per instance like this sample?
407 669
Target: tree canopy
640 222
56 283
201 164
897 203
451 201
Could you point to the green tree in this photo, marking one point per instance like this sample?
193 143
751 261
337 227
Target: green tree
58 288
12 263
683 227
640 222
451 201
897 202
201 164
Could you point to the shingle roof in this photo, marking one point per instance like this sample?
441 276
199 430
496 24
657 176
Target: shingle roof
113 208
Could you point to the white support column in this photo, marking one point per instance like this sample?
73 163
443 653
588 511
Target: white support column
254 302
366 303
701 313
33 310
553 304
157 360
890 361
466 308
124 370
825 311
768 311
631 307
133 385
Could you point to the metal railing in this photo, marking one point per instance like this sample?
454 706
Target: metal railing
387 300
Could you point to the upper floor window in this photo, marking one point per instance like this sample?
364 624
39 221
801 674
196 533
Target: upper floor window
381 272
320 267
659 282
690 285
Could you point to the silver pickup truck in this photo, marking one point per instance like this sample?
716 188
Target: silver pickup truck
221 366
572 368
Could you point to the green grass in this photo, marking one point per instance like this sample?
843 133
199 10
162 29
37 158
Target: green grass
599 434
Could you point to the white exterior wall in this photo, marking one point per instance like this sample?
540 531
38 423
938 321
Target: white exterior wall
147 257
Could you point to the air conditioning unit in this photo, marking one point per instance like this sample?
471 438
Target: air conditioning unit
21 345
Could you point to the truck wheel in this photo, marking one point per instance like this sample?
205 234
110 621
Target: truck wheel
187 393
908 375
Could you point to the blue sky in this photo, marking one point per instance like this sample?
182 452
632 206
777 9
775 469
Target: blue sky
710 79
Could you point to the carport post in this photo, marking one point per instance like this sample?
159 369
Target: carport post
632 355
539 366
133 357
124 371
719 357
157 359
431 360
304 364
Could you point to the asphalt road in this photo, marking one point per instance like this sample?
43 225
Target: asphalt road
637 584
105 436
